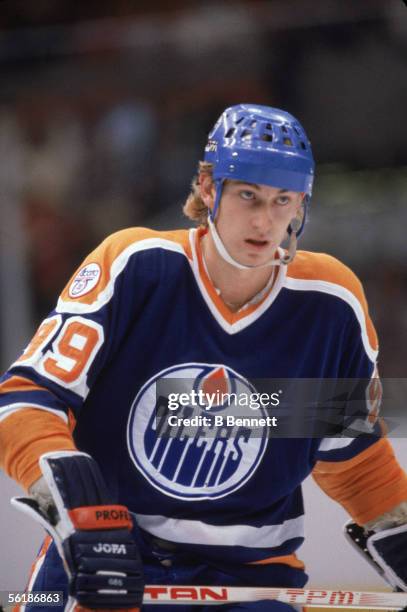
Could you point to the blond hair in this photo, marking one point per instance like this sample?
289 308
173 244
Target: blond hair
194 207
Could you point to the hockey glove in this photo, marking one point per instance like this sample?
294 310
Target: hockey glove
389 550
386 551
92 535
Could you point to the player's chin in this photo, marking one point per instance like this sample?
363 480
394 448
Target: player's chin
260 256
256 259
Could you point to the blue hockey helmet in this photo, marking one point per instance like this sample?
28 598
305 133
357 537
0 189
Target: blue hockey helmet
263 145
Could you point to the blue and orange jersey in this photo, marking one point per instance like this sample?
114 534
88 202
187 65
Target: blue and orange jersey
141 308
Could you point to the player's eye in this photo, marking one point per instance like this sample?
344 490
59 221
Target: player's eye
283 200
247 194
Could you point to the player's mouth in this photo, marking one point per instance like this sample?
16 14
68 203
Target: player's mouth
257 244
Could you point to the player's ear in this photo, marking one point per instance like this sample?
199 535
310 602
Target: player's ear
301 200
206 189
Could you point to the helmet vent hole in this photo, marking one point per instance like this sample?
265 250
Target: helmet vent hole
246 135
253 124
267 137
230 132
284 129
303 145
288 142
239 120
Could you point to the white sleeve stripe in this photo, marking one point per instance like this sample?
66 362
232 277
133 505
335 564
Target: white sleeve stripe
345 295
198 532
330 444
6 411
117 267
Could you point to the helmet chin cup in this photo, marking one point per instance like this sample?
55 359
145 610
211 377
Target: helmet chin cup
295 226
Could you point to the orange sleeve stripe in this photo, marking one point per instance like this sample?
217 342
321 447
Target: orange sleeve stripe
322 267
368 485
18 383
91 518
291 560
26 435
111 248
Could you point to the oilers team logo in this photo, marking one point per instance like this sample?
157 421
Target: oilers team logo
208 461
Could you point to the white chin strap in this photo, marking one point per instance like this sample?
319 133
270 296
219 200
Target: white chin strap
292 248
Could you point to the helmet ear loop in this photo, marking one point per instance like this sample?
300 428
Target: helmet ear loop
294 228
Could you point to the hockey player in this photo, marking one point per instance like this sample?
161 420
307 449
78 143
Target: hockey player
209 308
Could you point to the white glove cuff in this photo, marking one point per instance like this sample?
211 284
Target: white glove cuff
393 518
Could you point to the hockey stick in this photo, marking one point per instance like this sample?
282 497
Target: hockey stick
216 595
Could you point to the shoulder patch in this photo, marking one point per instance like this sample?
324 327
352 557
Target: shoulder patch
85 280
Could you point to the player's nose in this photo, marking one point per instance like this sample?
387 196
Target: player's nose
263 217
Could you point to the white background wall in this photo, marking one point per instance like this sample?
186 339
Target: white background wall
330 561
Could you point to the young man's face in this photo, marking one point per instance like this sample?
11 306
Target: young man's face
252 220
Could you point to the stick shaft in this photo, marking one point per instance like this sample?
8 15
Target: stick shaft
217 595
